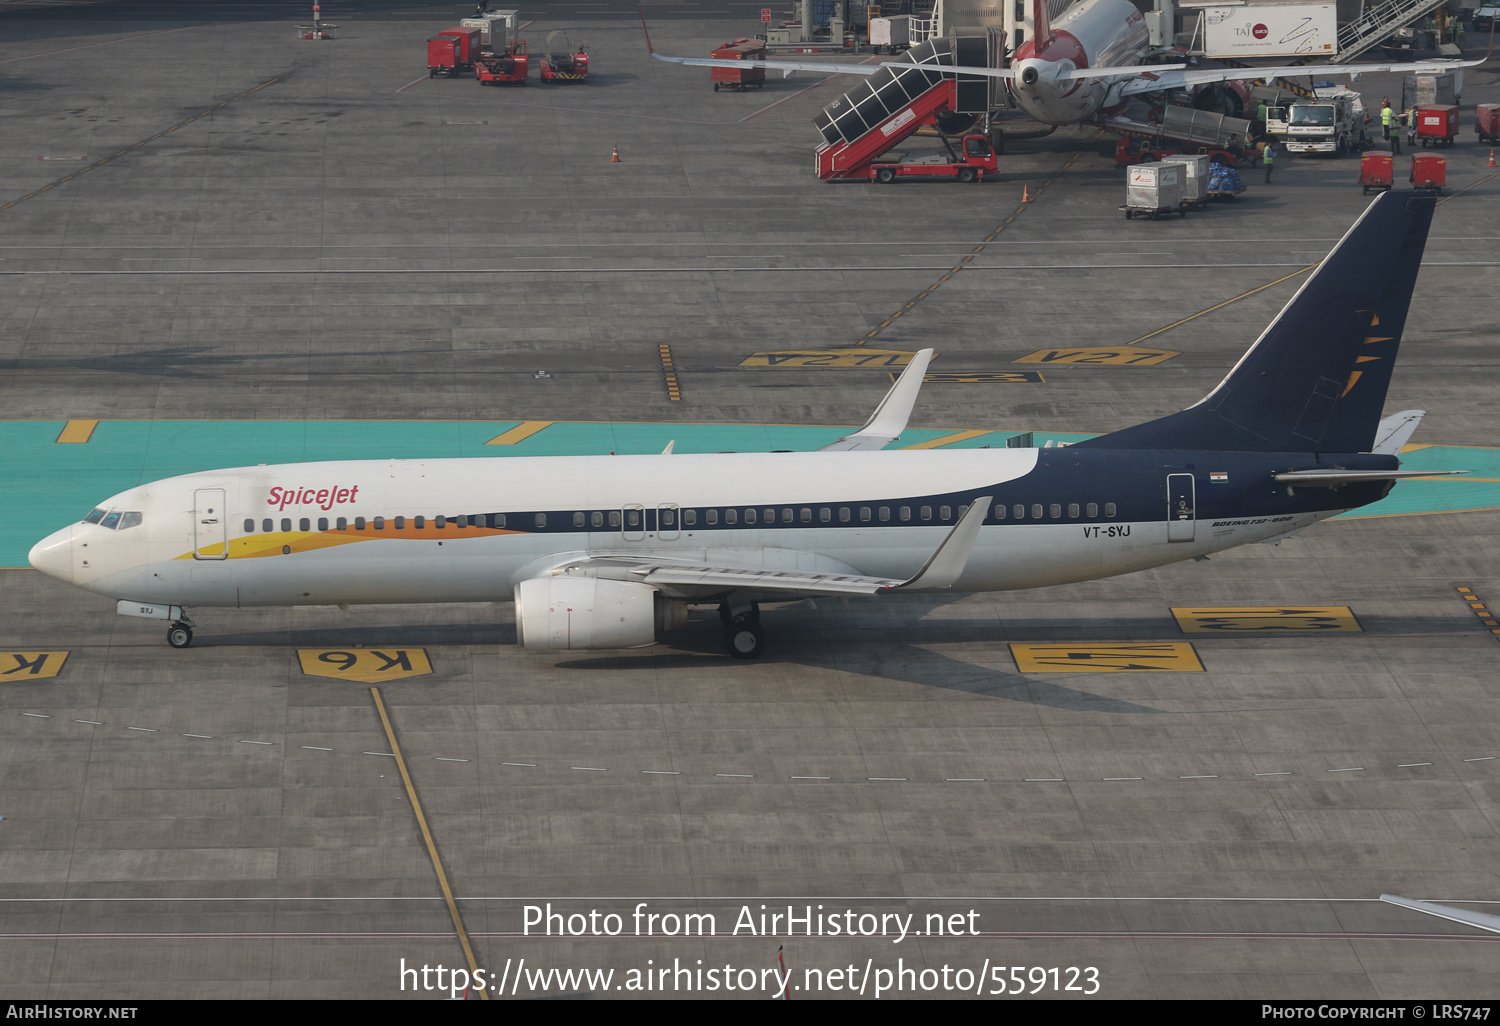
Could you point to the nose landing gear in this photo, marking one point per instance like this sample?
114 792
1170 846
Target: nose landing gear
180 634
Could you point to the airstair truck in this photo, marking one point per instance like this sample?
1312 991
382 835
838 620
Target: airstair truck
1332 122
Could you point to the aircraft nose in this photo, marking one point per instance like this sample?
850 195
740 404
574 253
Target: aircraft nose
53 555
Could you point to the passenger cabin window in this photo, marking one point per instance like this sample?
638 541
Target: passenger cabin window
999 511
710 516
843 514
806 515
268 525
498 520
1036 511
249 526
400 523
1018 511
771 516
463 521
541 520
905 512
946 512
926 512
1055 510
1072 509
304 524
380 523
441 522
1093 509
885 513
286 523
614 518
96 516
864 514
596 519
342 523
689 517
1109 509
730 515
577 519
110 521
322 523
359 523
825 515
633 518
420 523
750 516
668 517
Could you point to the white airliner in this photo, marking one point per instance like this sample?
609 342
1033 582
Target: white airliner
605 551
1089 62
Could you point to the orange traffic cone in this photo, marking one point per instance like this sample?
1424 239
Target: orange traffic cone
1025 194
1492 158
614 158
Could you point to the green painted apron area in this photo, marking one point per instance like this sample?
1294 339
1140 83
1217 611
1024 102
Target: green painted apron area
52 484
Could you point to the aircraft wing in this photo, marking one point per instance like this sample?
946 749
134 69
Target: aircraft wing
1482 920
1339 478
942 569
1157 82
890 417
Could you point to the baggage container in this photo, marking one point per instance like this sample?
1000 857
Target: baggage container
739 78
1487 122
1195 177
1435 90
1437 126
442 56
892 33
468 45
1375 172
1153 189
1428 171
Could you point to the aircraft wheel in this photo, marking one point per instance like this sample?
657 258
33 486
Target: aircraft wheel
885 176
967 175
179 635
745 640
716 87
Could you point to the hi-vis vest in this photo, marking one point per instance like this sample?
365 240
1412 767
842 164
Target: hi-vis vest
1385 117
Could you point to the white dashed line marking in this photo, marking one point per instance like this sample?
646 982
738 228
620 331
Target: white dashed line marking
1201 776
205 737
439 758
664 773
812 778
40 716
1409 765
963 780
390 755
315 748
149 730
745 775
92 723
591 769
528 765
243 742
1276 773
1347 769
886 779
1044 780
1485 758
1123 778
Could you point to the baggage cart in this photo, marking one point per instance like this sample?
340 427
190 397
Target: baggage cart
442 56
1437 126
1375 172
739 78
1487 122
1195 177
1428 171
1153 189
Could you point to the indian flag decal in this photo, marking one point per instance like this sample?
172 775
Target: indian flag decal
1218 477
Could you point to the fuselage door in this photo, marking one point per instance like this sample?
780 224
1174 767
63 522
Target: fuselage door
633 522
1182 516
667 517
210 524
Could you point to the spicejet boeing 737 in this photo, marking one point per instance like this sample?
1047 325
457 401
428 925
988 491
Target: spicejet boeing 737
1089 62
605 551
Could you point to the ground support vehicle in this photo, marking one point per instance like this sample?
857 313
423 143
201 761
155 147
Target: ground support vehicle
1437 126
1154 189
976 160
1484 17
1375 172
1434 89
566 64
1223 139
509 68
1428 171
739 78
1487 122
1332 122
443 57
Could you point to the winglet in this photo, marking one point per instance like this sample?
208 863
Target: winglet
1480 920
890 417
946 564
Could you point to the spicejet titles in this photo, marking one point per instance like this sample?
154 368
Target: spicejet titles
323 498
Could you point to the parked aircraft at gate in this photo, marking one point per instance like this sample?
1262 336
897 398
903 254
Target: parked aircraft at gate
1088 63
605 551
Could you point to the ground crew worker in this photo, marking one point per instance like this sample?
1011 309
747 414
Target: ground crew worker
1268 158
1389 128
1410 117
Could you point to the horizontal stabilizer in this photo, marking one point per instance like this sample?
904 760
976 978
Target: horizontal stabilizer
890 417
1339 478
1396 430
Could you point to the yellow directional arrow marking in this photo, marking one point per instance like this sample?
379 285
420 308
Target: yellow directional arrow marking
1265 619
1128 356
1110 657
980 377
366 665
16 666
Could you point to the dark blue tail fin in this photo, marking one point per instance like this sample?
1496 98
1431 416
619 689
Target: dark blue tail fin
1315 380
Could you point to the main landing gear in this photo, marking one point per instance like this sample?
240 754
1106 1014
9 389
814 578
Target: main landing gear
180 634
744 638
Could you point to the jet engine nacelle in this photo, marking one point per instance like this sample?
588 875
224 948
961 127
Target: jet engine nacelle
585 612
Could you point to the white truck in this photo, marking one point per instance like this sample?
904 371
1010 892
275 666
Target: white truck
1334 122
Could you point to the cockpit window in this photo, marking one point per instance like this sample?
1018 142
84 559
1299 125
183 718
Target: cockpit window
110 521
129 520
95 517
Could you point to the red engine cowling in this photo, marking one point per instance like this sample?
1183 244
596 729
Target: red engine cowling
585 612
